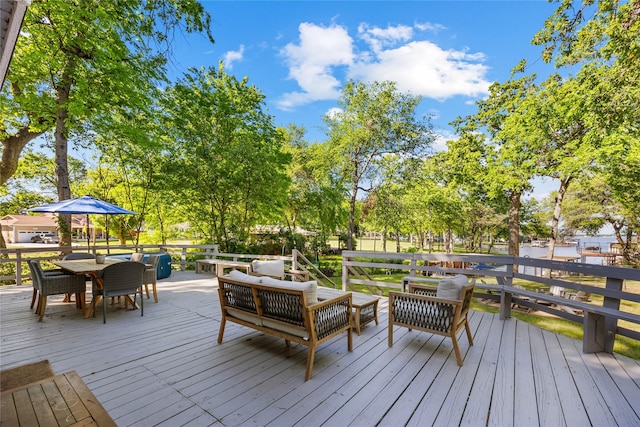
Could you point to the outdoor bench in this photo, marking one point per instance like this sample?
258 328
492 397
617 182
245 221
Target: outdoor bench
284 309
595 317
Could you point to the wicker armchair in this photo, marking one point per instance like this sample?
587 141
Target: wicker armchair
119 279
151 276
421 309
56 284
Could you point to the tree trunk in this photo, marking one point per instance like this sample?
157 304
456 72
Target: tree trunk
555 221
398 241
514 223
61 134
352 215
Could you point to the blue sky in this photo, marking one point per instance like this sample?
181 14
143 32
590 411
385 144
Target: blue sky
300 53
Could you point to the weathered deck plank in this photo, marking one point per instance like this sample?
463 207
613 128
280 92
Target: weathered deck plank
166 369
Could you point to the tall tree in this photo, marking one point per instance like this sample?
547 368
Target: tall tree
315 196
508 158
78 63
373 120
226 159
603 38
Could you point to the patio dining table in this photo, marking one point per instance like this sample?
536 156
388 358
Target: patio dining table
88 267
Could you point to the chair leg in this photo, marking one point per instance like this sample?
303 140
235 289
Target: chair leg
468 329
104 310
146 287
33 297
81 300
155 292
38 305
42 307
456 348
223 322
310 357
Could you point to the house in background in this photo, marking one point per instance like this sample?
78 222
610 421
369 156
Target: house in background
21 228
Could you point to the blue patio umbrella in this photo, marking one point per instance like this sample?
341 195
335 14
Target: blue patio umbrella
83 205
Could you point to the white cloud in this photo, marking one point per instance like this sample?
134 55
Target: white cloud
423 68
417 66
428 26
378 38
333 112
312 62
233 56
442 136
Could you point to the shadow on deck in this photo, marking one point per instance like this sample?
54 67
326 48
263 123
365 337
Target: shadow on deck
166 369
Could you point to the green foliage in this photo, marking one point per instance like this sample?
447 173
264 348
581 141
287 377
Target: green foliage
225 156
374 121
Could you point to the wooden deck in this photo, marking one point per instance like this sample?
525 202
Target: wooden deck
166 369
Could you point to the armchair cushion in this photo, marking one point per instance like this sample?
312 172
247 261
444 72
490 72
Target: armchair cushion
273 268
450 287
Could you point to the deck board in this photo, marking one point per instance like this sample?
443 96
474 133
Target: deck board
167 369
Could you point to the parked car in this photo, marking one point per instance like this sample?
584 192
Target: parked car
45 238
49 238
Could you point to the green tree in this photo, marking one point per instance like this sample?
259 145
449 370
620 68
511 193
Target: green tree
225 159
502 148
374 120
315 196
81 61
602 37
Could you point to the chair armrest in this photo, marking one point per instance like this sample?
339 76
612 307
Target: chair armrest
331 315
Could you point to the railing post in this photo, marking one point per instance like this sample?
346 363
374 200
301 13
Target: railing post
505 299
18 268
294 259
345 273
610 324
183 259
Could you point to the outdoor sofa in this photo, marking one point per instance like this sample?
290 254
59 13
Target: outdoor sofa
284 309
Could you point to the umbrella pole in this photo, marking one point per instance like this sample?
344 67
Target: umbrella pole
88 236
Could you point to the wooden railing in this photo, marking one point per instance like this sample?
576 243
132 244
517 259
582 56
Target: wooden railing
495 281
182 256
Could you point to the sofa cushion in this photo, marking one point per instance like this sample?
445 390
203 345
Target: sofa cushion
310 288
243 315
242 277
274 268
450 287
288 329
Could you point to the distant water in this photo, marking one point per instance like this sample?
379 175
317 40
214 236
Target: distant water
569 251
